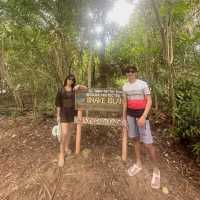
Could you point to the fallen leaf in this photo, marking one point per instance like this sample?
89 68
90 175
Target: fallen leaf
86 153
165 190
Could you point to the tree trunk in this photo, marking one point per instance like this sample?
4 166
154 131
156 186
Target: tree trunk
168 56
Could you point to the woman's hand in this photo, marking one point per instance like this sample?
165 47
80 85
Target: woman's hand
77 87
80 87
58 118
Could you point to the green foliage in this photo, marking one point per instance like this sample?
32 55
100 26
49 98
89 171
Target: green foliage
188 112
196 149
119 82
177 8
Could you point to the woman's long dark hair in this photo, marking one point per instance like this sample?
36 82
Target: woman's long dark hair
72 77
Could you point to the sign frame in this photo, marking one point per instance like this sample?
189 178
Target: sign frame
107 100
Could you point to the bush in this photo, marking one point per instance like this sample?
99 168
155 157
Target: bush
188 112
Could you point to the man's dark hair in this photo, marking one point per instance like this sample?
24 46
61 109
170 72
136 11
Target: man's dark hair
131 67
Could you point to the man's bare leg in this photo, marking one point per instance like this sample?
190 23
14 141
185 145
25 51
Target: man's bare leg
155 183
137 152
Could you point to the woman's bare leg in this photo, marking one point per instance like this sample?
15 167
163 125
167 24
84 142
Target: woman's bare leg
68 137
63 140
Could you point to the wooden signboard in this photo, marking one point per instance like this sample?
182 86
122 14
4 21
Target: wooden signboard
99 100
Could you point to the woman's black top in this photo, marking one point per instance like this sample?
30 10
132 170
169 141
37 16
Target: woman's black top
66 101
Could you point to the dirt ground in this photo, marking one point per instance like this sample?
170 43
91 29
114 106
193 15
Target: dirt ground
28 166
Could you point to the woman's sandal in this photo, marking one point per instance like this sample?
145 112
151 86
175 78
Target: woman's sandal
68 152
132 171
61 161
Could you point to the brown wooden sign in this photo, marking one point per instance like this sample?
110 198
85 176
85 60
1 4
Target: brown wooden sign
99 100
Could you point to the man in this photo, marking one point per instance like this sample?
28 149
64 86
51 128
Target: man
136 106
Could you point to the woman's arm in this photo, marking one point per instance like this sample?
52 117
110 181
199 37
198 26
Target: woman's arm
58 114
80 87
58 104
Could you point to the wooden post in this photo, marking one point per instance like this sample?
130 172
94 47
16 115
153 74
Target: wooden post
78 132
124 144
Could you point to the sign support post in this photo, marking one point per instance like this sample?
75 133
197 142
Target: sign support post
78 132
124 143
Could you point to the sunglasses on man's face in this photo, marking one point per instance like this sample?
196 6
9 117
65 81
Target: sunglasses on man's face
130 71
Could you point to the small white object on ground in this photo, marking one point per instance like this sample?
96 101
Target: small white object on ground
165 190
56 131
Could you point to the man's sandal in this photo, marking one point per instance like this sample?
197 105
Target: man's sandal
132 171
155 181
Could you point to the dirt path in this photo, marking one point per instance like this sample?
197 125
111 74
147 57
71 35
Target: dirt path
28 167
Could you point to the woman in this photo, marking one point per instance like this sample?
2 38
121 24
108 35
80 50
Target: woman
65 103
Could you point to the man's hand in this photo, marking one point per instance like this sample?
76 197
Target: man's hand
141 121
